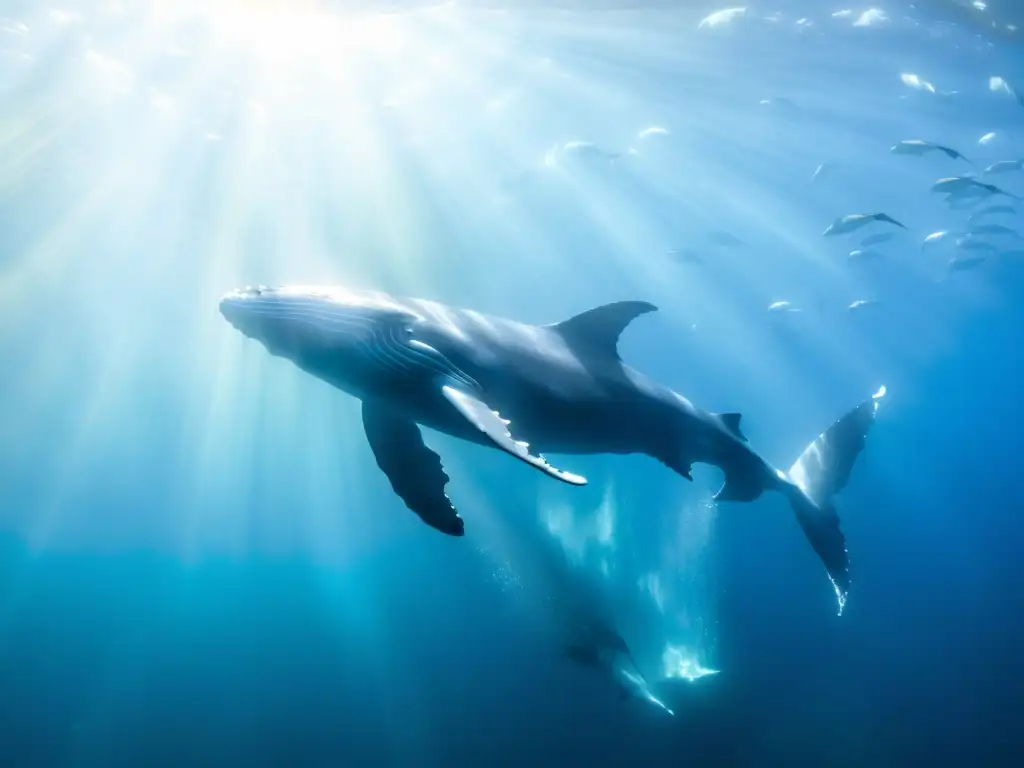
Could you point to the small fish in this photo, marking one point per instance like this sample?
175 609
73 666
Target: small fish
961 203
936 237
1005 166
854 221
822 168
779 101
919 147
964 263
720 18
588 149
973 244
782 306
992 210
861 304
877 239
993 229
999 85
987 138
860 255
725 239
654 130
963 186
581 147
686 256
954 184
913 81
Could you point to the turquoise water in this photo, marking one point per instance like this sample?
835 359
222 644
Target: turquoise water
201 563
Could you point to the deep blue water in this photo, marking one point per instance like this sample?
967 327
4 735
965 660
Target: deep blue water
200 563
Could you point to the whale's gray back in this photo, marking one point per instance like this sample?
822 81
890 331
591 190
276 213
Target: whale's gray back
502 354
562 385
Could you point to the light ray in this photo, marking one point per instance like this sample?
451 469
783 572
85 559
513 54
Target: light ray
185 149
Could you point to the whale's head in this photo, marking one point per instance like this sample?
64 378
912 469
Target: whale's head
265 314
294 321
333 333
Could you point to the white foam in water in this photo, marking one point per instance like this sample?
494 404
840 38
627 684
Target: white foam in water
640 687
681 590
587 539
683 663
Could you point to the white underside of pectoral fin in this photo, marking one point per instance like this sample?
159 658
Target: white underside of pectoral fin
490 423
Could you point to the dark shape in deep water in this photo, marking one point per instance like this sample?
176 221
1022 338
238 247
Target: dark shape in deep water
599 646
526 389
601 635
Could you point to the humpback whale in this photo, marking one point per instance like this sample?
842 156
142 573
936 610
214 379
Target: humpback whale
527 390
602 648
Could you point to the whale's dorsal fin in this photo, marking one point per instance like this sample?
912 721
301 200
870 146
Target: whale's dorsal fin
596 332
731 421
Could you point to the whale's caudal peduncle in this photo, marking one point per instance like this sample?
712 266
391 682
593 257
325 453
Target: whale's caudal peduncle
518 387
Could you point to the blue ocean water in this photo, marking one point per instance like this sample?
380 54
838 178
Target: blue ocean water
200 562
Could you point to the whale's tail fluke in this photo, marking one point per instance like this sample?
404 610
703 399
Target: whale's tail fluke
821 472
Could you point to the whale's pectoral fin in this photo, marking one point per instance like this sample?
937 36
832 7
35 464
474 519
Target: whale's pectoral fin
414 470
496 428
